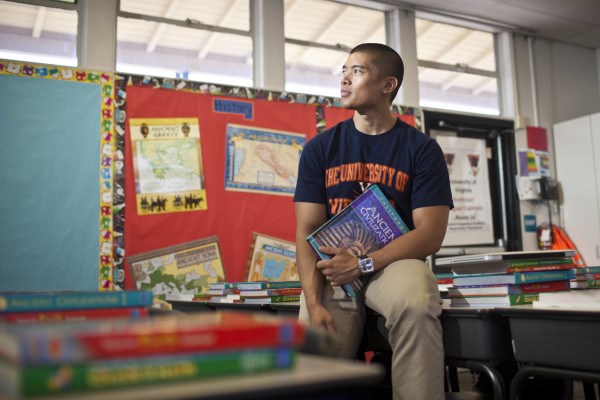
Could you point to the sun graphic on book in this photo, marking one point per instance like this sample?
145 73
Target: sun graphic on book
351 236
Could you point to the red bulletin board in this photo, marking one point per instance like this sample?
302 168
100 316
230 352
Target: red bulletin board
231 215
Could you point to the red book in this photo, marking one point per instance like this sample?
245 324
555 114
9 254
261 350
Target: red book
168 334
74 315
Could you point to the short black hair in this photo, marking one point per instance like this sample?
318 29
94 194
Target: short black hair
387 61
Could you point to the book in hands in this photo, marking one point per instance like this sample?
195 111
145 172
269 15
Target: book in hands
367 224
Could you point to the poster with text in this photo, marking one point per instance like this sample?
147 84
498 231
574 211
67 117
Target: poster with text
471 220
169 175
262 160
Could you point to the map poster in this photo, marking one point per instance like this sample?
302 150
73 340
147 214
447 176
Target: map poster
184 269
471 220
262 160
168 169
271 259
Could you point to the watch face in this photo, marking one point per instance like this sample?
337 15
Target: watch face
366 265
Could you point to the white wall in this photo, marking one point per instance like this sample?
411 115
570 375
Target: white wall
566 80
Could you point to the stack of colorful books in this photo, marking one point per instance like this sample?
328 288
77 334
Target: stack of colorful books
586 278
87 356
508 282
29 307
252 292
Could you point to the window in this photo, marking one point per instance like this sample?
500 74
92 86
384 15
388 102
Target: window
457 68
38 34
201 40
319 35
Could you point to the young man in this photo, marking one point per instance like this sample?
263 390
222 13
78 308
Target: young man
410 169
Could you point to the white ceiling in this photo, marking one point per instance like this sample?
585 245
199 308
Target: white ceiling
571 21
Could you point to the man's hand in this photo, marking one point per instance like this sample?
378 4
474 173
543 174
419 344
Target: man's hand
321 318
341 268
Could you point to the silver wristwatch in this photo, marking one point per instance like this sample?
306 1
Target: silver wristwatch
365 264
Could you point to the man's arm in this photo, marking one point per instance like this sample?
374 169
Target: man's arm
310 216
424 240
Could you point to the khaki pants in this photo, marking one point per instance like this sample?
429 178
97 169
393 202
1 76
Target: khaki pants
406 294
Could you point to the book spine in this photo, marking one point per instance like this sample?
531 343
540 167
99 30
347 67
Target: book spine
550 286
283 285
590 270
114 374
14 302
74 315
540 262
533 268
87 346
285 299
531 277
521 299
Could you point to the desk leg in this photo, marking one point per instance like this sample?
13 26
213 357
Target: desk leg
520 377
491 372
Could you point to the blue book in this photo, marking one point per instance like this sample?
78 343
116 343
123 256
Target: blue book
367 224
72 300
514 278
591 270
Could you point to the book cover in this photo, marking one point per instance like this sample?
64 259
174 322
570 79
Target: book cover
501 290
272 299
72 300
160 335
103 374
367 224
505 267
74 315
485 301
515 278
256 285
271 259
186 268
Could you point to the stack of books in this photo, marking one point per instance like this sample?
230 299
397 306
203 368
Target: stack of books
31 307
507 279
586 278
252 292
87 356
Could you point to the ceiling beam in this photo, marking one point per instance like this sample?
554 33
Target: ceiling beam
38 25
160 29
483 85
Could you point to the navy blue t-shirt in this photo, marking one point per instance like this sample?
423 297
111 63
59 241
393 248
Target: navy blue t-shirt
337 165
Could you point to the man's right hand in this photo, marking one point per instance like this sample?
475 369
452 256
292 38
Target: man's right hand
321 318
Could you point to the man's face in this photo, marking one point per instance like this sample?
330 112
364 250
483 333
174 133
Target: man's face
361 85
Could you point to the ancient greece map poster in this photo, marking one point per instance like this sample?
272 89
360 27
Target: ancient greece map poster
262 160
168 169
176 271
471 219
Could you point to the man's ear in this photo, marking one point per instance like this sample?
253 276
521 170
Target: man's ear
391 83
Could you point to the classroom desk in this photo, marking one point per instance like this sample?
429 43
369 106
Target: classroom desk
313 378
556 343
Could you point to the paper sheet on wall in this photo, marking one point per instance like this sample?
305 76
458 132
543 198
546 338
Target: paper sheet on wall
471 220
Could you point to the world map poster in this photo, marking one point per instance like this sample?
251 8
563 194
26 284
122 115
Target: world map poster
262 160
169 174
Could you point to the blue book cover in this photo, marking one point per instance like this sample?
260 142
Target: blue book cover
72 300
367 224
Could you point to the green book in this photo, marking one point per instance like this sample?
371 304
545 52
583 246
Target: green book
272 299
495 301
66 378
